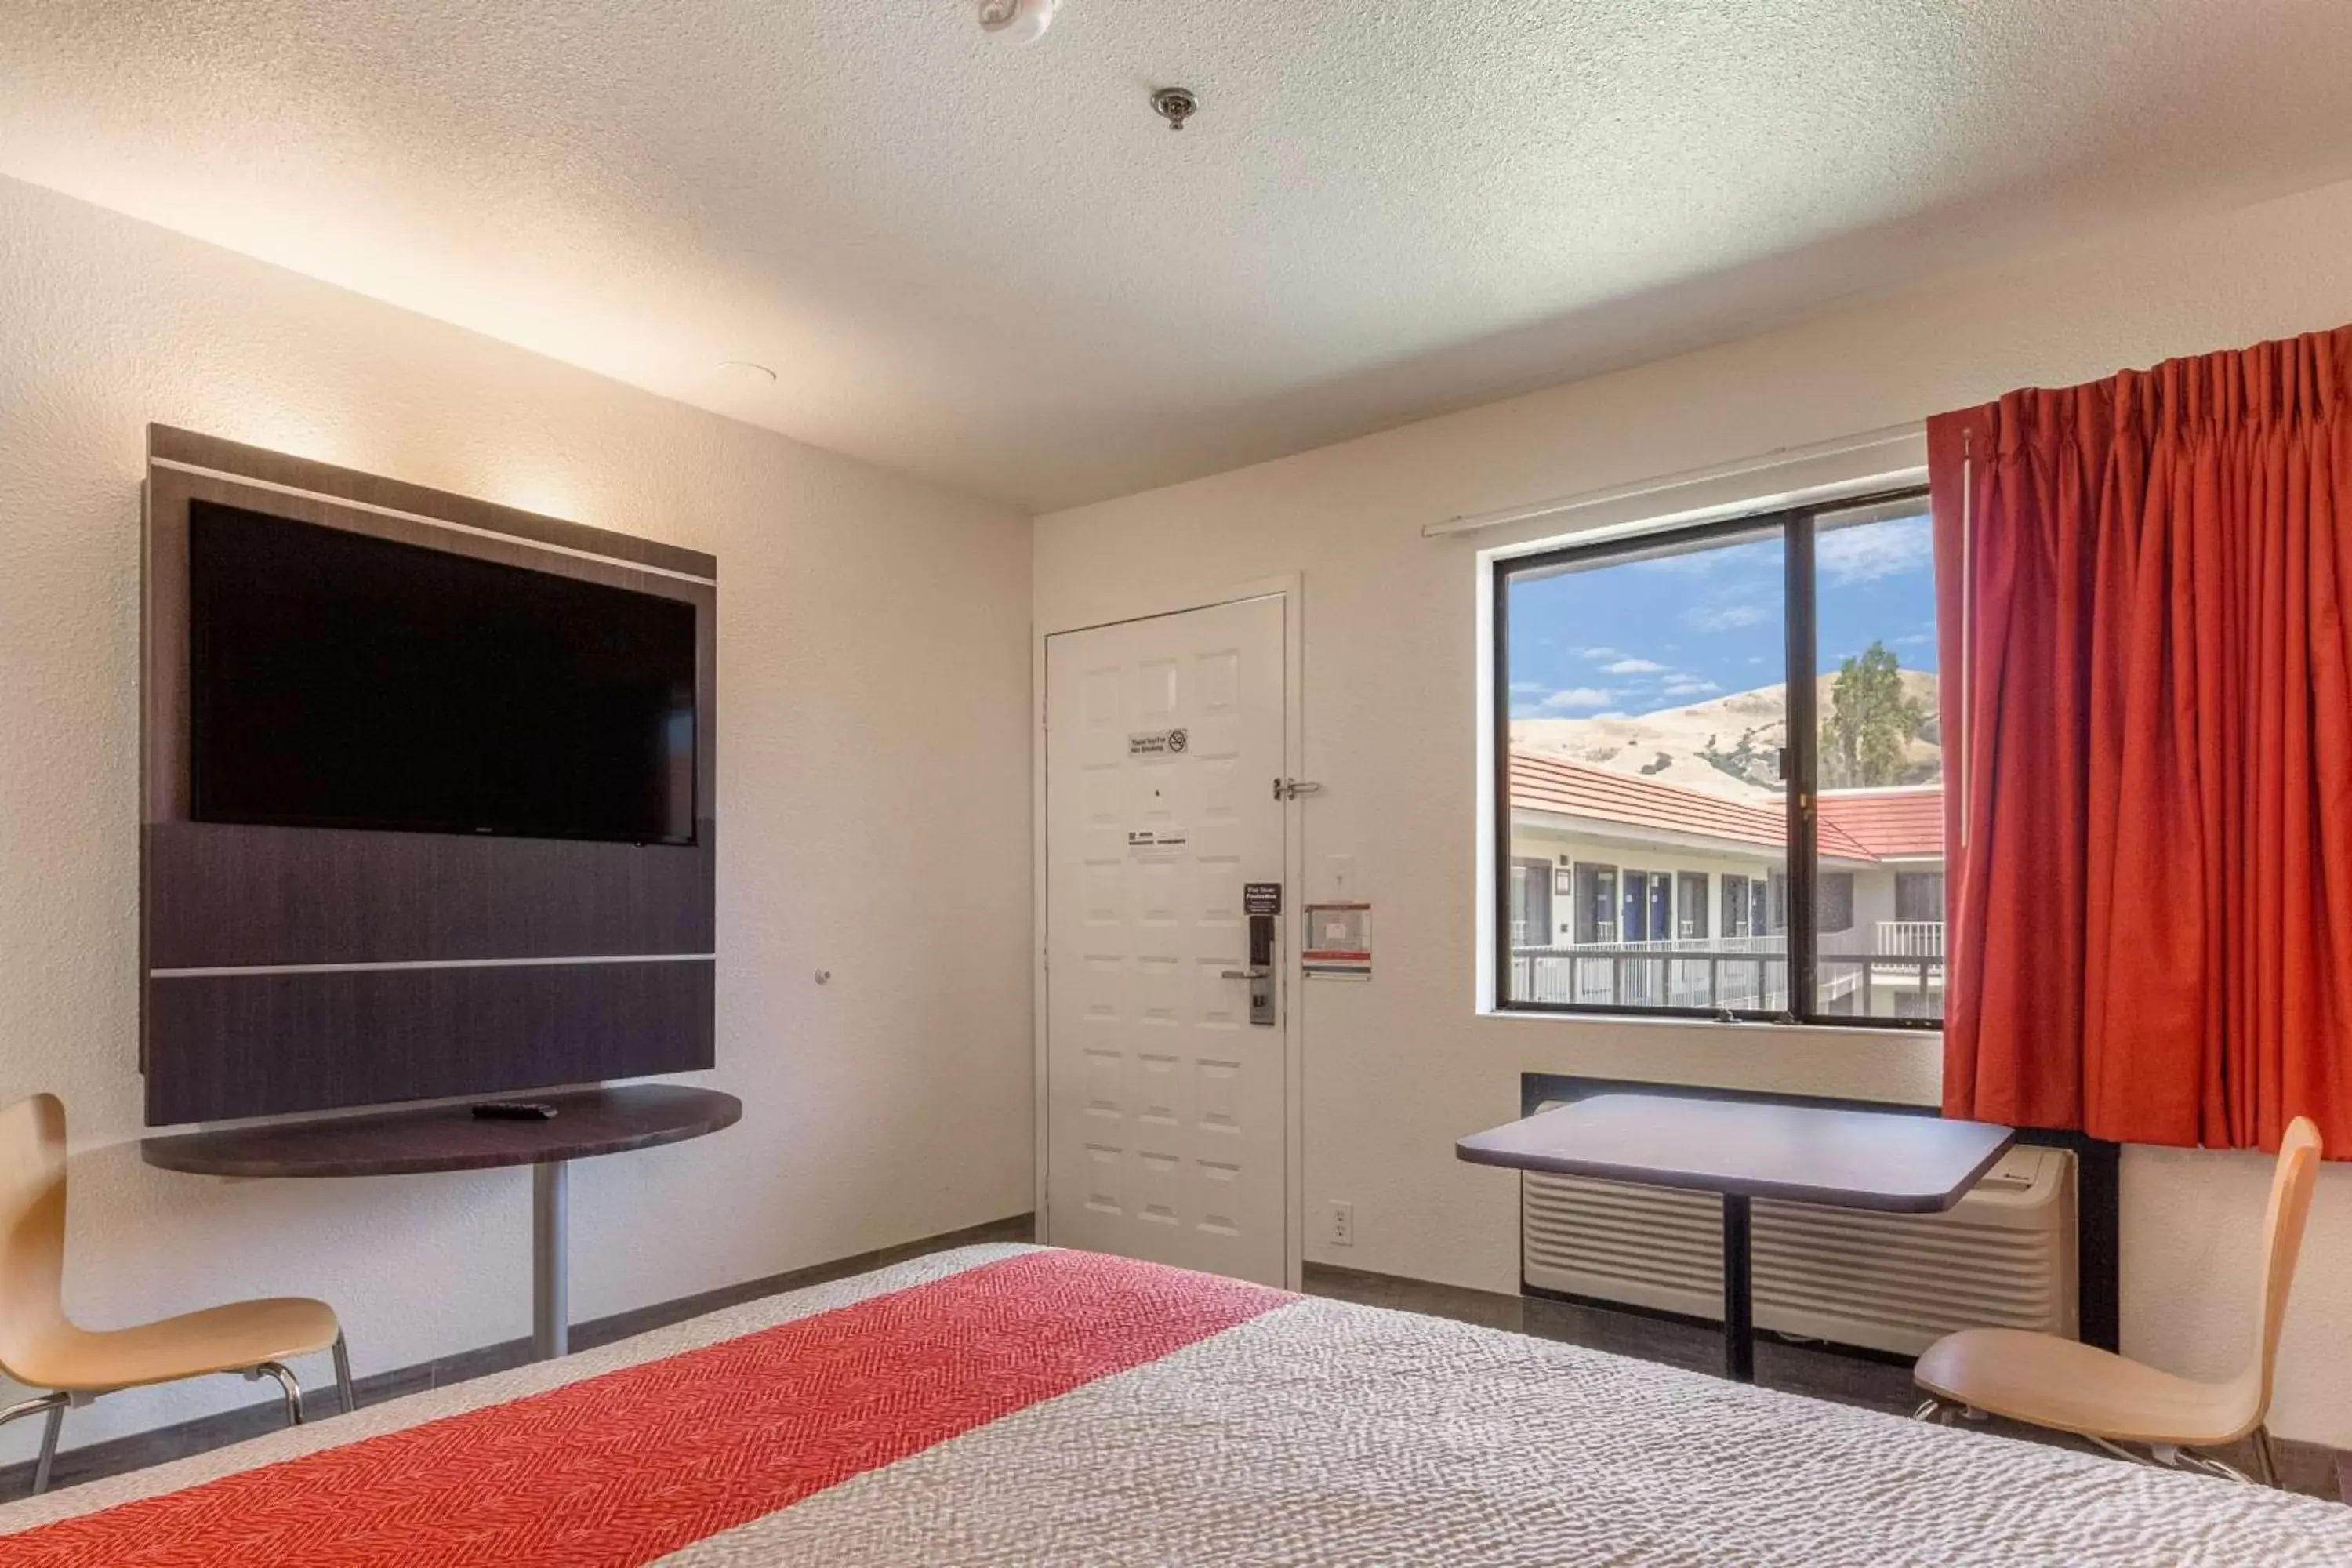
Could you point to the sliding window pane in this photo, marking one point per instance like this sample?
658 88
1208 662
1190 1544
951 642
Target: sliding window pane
1647 716
1878 886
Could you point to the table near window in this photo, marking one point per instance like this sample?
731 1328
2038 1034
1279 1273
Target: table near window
1745 1150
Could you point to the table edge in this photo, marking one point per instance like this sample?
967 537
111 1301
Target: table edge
1823 1198
727 1110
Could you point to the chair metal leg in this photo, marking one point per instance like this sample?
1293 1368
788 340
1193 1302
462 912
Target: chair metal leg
55 1404
284 1377
50 1429
2172 1456
1929 1410
2120 1452
2213 1467
2265 1457
343 1376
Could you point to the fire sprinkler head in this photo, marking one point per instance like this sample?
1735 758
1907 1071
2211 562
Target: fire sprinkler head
1175 105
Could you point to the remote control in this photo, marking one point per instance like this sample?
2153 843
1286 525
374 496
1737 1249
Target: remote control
515 1111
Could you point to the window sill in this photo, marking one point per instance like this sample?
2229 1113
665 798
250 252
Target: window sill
1652 1021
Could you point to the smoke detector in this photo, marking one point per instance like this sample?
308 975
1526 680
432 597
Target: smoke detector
1021 21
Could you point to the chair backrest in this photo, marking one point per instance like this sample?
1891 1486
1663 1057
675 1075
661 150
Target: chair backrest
2290 1205
32 1226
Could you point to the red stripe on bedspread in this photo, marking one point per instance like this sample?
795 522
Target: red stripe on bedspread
622 1468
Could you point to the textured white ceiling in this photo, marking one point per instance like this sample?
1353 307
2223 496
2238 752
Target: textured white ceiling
993 265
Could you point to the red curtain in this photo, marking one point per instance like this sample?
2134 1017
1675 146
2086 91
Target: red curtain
2148 734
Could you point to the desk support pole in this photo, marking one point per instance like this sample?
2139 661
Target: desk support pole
1738 1299
550 1307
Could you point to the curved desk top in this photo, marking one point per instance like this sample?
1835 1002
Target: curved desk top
451 1136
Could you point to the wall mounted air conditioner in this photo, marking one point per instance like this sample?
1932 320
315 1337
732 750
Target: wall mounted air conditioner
2003 1257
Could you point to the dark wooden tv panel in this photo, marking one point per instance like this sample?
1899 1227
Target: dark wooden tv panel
303 969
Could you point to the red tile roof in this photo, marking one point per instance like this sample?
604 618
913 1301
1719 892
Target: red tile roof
1889 823
1854 826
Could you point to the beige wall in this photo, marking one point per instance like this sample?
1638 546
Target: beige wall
874 698
1397 1069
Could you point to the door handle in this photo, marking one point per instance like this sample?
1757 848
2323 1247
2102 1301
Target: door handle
1247 974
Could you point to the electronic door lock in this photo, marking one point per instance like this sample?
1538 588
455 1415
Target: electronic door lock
1264 902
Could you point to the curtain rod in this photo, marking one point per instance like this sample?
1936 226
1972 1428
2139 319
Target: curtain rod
1779 458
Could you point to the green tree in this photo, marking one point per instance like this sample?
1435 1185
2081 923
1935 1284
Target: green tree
1870 721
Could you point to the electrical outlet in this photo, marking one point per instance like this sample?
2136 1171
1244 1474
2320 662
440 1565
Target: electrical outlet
1343 1224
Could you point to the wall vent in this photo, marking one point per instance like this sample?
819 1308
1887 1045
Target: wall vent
2004 1258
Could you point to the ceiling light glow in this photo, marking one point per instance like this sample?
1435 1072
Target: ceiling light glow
1020 21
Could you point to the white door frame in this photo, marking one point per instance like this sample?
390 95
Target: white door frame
1287 586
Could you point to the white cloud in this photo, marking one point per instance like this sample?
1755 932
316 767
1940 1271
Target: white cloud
1726 617
1873 551
1527 688
1917 639
1598 654
1632 667
1686 685
1578 697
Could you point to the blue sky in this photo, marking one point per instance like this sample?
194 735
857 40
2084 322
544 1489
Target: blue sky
1637 637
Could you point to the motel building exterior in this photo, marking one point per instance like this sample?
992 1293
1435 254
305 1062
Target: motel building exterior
1627 891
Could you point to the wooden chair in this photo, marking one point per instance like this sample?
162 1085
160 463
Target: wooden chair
2094 1393
40 1346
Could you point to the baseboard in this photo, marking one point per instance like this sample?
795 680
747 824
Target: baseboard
139 1449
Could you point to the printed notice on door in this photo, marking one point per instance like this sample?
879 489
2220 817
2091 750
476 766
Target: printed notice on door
1157 743
1156 843
1338 940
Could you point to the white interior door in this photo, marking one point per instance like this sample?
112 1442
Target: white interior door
1166 1109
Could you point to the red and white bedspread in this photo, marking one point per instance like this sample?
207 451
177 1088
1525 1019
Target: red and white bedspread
1020 1406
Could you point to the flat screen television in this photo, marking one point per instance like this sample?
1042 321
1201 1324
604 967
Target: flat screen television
336 680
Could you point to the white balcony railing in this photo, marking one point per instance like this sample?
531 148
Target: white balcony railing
1647 976
1673 944
1909 939
1888 968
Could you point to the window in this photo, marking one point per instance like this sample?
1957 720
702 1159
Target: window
1736 920
1919 897
1690 898
1836 897
1531 903
1596 905
1661 700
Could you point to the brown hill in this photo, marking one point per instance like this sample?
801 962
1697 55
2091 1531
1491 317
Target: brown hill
1726 745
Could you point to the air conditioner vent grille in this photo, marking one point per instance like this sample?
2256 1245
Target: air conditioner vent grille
2003 1257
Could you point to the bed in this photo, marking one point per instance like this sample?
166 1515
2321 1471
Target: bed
1012 1404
